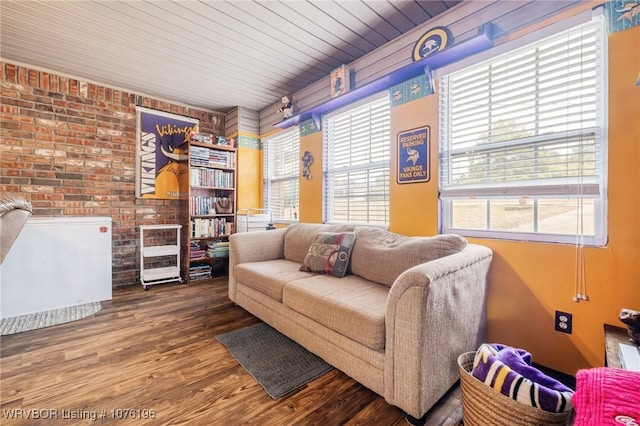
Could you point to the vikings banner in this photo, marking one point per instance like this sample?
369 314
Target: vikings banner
162 154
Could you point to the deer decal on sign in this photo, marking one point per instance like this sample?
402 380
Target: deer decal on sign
413 155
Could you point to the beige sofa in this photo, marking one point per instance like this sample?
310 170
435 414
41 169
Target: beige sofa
396 323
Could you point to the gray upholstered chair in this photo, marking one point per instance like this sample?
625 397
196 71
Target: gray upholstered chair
14 212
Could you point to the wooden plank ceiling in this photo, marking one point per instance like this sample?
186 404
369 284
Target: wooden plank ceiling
211 54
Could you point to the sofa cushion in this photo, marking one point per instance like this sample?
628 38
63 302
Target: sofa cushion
300 236
381 256
351 306
330 253
269 277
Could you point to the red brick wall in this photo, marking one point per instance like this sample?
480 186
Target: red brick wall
68 146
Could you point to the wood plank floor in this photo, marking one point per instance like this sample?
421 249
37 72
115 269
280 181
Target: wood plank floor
154 352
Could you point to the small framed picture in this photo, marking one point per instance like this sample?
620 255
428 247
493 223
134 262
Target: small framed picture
339 81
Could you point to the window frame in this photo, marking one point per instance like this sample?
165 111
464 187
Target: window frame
292 137
595 191
381 164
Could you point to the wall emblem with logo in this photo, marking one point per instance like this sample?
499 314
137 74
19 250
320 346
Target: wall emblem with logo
431 42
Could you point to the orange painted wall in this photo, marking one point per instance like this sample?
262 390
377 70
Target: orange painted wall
311 190
412 210
249 166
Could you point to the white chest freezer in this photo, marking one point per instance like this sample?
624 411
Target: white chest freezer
57 262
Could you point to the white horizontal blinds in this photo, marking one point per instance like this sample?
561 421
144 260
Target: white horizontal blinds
526 122
357 164
282 175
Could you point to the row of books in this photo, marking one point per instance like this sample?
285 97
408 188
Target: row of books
202 137
201 156
217 249
211 177
213 227
209 138
197 254
201 205
199 271
196 251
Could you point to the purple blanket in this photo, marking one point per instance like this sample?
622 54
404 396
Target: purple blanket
509 371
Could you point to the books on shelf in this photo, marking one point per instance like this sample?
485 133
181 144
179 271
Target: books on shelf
218 249
208 138
210 227
201 267
197 254
201 205
199 271
201 156
196 251
211 177
202 137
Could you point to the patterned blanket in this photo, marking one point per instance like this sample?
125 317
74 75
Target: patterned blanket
509 371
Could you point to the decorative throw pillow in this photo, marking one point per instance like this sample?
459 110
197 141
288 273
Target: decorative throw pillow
330 253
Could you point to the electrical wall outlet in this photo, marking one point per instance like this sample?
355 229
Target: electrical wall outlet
564 322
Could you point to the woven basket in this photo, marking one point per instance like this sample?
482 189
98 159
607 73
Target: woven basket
484 406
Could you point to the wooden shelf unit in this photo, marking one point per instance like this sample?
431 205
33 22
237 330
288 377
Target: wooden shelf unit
212 177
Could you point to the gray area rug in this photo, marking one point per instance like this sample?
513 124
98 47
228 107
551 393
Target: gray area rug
278 363
29 322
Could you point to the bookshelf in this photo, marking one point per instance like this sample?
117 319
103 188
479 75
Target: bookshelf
212 203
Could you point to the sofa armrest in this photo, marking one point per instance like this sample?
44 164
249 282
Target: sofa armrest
255 246
14 213
435 312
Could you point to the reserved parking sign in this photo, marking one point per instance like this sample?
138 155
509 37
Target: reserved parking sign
413 155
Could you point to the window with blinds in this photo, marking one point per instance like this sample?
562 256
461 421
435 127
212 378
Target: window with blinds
356 164
523 151
281 156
